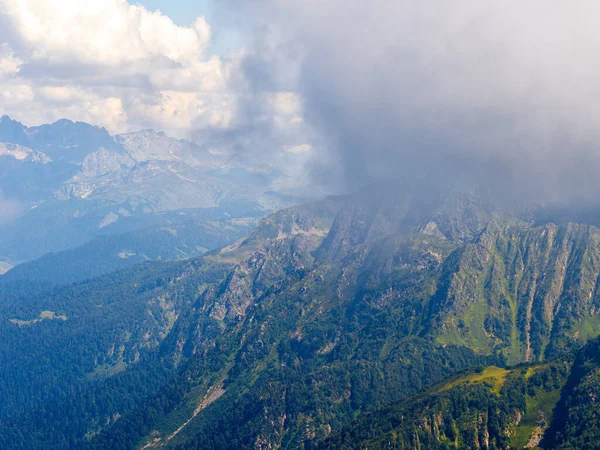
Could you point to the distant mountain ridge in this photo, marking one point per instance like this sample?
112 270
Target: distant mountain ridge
106 254
80 182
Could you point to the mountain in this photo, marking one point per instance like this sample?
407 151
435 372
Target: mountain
58 343
491 408
23 153
323 313
96 346
575 423
149 145
371 315
187 239
64 140
548 406
70 182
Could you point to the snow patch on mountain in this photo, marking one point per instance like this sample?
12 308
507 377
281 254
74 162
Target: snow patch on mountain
108 220
23 153
4 267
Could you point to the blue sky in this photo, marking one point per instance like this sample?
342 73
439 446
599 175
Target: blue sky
183 12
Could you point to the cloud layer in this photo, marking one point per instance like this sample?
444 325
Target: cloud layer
399 87
110 63
118 65
373 91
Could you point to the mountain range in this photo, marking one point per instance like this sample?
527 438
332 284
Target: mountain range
401 316
66 183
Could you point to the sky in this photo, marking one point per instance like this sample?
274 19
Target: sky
371 90
226 36
121 65
181 12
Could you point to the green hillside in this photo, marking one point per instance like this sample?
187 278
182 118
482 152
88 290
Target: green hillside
548 406
327 312
490 408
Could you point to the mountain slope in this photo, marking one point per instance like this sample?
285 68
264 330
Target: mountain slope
110 253
369 314
68 346
341 307
76 358
490 408
576 423
527 291
549 406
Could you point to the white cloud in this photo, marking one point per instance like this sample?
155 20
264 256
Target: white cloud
108 32
9 64
14 96
286 103
111 63
182 111
302 148
116 64
83 104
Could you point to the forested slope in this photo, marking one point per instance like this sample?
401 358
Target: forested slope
339 308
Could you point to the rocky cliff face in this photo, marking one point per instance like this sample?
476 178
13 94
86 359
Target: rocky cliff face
527 291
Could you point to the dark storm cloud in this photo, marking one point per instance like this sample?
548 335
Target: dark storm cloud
402 87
